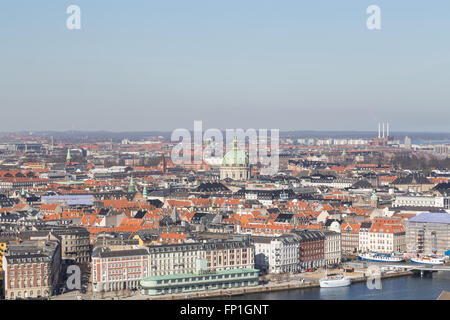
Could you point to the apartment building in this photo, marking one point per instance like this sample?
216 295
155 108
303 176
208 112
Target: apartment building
226 254
276 254
174 259
387 235
364 236
75 245
124 266
220 254
332 247
31 269
350 237
311 248
119 269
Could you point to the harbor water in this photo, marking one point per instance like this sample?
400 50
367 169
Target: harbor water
413 287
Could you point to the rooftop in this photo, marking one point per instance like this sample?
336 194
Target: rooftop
194 275
431 217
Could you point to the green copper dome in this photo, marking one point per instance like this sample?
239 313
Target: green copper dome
235 157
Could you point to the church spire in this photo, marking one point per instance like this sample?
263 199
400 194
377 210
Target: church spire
68 157
235 149
144 192
235 143
131 185
174 216
164 164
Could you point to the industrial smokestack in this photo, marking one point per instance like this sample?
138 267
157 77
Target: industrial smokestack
379 130
383 129
387 130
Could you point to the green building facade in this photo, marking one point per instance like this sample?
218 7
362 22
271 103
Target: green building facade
185 283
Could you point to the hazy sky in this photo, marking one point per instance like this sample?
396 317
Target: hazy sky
287 64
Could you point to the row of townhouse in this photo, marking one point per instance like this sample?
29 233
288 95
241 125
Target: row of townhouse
124 268
19 183
277 254
383 235
297 251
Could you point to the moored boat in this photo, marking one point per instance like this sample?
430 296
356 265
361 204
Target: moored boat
431 260
334 282
378 257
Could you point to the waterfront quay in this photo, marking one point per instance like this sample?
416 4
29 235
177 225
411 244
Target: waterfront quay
268 283
290 282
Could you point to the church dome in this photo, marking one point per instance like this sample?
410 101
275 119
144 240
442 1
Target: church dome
235 157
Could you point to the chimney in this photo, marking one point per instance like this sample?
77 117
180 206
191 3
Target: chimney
387 130
379 130
383 129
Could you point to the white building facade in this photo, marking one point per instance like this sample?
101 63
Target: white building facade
332 247
364 236
422 201
277 254
387 240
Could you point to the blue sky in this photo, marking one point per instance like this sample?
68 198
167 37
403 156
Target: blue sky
160 65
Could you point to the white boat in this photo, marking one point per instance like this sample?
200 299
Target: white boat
378 257
436 261
334 282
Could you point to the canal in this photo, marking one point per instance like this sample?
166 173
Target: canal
403 288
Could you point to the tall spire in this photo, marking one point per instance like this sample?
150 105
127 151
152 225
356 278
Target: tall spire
144 192
235 143
164 164
174 216
235 149
68 157
131 186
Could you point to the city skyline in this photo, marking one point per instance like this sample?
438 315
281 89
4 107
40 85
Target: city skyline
214 157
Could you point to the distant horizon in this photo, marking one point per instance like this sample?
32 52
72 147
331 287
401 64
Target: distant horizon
222 129
169 131
154 132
